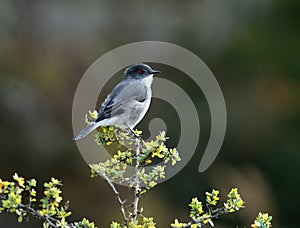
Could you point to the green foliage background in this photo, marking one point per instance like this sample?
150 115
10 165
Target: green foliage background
253 49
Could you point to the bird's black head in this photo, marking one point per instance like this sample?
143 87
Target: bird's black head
139 71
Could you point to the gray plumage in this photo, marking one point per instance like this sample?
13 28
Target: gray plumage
127 103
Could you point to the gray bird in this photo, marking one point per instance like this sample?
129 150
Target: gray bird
127 103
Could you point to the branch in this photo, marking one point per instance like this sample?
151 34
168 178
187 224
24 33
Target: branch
214 214
137 183
201 218
121 202
18 197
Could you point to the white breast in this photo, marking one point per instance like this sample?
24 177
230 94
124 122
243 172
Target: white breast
142 108
148 81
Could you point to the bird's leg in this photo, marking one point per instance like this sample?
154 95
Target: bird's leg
134 134
128 129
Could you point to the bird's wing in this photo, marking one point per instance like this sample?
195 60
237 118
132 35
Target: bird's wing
119 100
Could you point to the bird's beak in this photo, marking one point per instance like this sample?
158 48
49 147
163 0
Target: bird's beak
155 72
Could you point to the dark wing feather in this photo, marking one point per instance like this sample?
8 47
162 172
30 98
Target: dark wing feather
119 99
105 111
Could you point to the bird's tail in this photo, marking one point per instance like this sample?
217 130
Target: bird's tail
86 131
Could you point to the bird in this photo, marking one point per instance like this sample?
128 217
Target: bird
127 103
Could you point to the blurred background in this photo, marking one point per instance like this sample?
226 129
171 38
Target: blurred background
252 47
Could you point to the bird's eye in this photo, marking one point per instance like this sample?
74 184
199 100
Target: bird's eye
140 71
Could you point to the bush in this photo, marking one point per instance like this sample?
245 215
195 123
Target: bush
19 196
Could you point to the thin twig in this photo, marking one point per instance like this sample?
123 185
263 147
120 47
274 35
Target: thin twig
214 214
34 213
121 202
